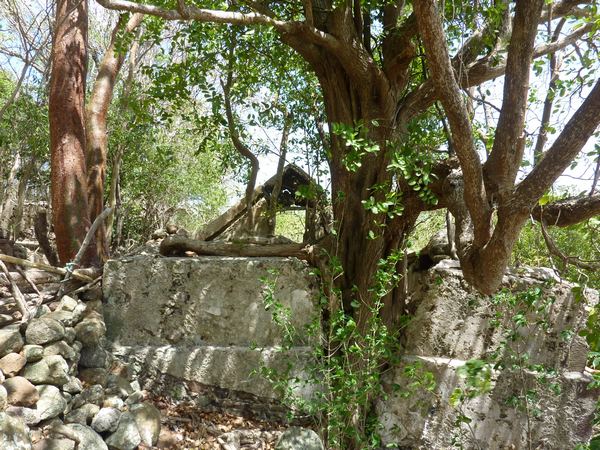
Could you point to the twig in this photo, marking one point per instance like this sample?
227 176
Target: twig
86 287
18 296
58 270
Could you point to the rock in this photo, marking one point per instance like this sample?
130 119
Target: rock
92 357
82 415
147 418
136 397
68 397
70 334
127 436
54 444
21 392
10 340
12 363
60 348
14 434
44 330
93 394
28 415
119 386
66 318
93 293
33 352
90 330
107 419
113 402
51 402
5 319
42 311
67 304
94 376
230 441
2 377
73 386
50 370
88 438
3 398
296 438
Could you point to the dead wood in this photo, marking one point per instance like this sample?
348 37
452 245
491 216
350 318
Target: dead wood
178 245
77 274
17 295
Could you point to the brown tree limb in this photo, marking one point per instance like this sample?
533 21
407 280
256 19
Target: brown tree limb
565 259
565 148
442 74
178 245
501 168
569 211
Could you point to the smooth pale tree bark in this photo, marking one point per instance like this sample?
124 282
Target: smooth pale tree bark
96 115
10 196
67 128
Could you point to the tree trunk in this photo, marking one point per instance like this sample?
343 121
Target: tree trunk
97 139
9 201
67 129
18 213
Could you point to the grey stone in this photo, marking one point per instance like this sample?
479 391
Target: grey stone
51 402
2 377
231 440
28 415
89 439
70 335
82 415
50 370
12 364
66 318
147 418
119 385
73 386
135 397
90 330
33 352
94 376
10 340
5 319
68 397
94 356
93 394
21 392
60 348
107 419
44 330
3 398
67 304
54 444
42 311
127 435
14 434
296 438
113 401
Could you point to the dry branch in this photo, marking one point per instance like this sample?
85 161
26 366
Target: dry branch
178 245
77 274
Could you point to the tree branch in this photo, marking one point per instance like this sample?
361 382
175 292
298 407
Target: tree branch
501 168
442 73
565 148
569 211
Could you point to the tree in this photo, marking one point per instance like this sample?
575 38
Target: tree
66 112
368 59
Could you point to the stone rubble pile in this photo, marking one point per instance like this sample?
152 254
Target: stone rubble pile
60 389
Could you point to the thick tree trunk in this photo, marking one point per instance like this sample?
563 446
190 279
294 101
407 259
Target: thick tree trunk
97 139
21 193
67 128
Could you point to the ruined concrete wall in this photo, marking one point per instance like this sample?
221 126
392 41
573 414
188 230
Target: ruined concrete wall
538 392
204 319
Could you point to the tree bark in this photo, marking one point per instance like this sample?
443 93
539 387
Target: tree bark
67 129
96 115
9 200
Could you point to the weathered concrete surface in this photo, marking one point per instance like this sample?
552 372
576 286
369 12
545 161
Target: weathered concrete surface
204 319
453 324
203 301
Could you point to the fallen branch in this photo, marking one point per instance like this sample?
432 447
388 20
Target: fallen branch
77 274
178 245
17 295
